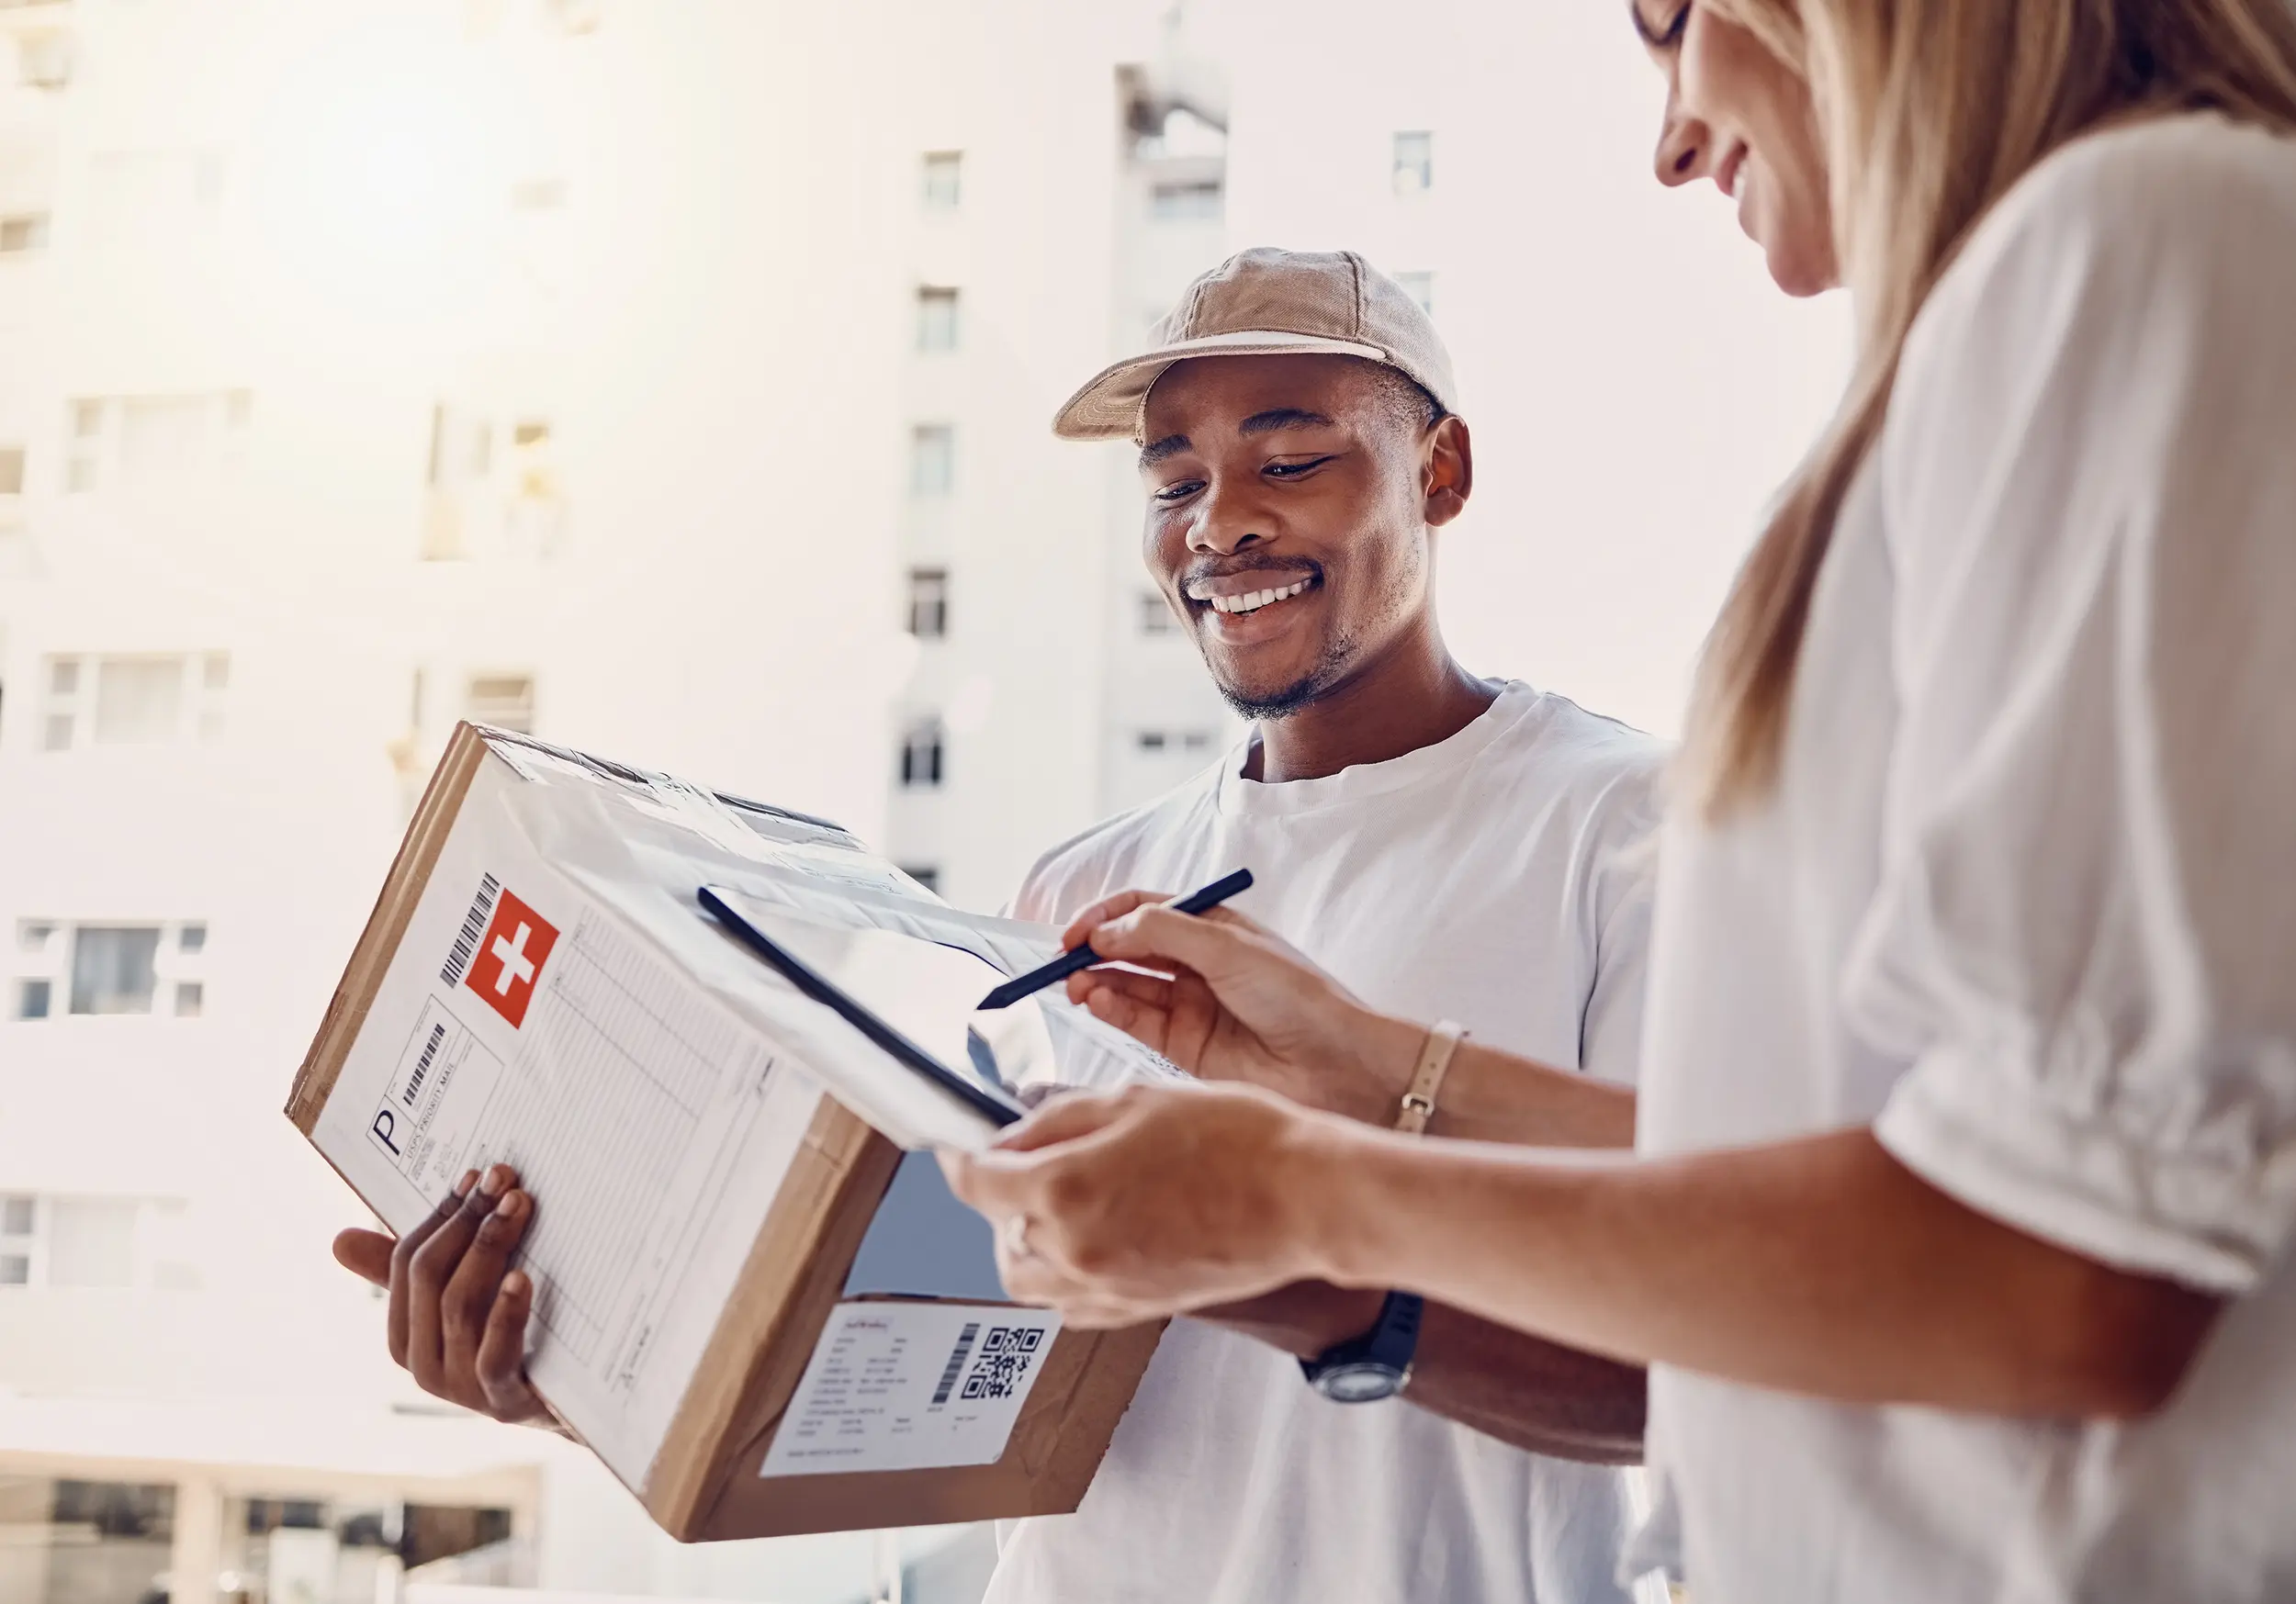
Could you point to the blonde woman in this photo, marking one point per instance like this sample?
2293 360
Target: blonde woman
1959 1237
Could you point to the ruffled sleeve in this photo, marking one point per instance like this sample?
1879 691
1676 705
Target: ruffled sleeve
2084 941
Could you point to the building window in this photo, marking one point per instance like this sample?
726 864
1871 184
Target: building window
483 502
933 459
37 948
944 180
921 753
148 441
19 1233
147 198
929 603
23 233
1163 742
138 701
574 17
1156 617
43 59
462 447
115 969
503 701
1415 162
141 700
1420 287
98 970
936 318
537 195
1194 200
92 1242
75 1540
925 874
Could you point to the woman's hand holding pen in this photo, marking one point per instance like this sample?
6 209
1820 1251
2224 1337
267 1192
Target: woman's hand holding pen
1123 1207
1235 1002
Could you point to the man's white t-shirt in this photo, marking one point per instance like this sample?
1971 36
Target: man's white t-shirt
1480 880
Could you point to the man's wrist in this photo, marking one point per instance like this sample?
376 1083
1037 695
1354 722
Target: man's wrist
1304 1319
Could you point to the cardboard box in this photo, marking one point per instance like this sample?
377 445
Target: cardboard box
762 1313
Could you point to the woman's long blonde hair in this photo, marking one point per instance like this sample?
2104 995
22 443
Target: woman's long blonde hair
1929 111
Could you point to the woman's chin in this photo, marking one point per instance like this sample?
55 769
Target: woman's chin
1801 271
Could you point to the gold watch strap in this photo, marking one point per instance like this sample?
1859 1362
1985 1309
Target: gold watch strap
1427 1079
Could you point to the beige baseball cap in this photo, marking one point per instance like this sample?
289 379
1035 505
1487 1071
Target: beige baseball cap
1265 302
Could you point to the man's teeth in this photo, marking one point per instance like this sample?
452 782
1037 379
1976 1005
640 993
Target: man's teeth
1252 601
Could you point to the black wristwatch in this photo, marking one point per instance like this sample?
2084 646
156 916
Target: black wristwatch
1375 1365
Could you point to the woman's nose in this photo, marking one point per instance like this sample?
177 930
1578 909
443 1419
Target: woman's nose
1681 152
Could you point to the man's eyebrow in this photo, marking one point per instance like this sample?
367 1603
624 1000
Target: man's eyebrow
1283 418
1157 451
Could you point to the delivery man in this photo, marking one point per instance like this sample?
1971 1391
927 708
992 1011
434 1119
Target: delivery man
1450 846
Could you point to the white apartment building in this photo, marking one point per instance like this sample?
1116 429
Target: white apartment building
560 364
1058 216
675 382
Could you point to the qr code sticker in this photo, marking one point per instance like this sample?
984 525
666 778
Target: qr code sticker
1006 1354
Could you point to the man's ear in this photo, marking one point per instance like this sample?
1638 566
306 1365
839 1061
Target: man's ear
1448 470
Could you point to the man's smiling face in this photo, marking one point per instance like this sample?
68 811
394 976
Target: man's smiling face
1288 504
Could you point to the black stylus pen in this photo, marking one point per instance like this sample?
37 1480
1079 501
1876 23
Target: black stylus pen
1069 962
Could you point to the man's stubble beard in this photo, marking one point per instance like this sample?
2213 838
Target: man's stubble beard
1332 665
1330 669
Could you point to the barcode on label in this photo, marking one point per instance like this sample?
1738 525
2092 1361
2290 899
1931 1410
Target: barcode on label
956 1363
474 925
1005 1360
423 1065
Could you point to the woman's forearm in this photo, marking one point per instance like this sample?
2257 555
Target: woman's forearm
1819 1266
1493 1096
1488 1095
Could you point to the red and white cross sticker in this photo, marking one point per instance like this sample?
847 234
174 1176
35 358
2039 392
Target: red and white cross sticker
516 945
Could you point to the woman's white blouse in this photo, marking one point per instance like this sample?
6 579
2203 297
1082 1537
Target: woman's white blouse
2024 898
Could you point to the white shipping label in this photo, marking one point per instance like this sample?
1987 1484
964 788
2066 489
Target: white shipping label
424 1121
912 1386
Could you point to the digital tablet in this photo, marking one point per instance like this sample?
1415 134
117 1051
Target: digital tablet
915 1000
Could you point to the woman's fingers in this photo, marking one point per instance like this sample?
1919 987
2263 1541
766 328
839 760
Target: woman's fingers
467 1302
1150 1201
1061 1119
1033 1279
366 1254
400 1317
500 1359
1006 1179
